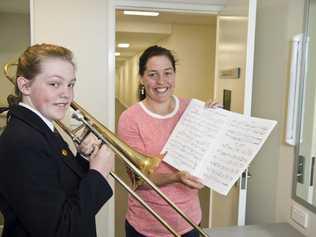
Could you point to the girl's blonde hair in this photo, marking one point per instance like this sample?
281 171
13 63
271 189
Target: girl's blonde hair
29 64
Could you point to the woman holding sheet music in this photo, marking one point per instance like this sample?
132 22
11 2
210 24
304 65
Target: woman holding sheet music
146 126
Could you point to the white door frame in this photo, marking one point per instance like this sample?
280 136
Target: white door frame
243 181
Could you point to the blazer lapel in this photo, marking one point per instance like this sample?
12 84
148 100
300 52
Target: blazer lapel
65 154
59 146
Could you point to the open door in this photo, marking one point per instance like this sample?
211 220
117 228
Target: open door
233 88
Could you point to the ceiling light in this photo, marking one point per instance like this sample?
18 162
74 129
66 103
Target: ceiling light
141 13
123 45
117 54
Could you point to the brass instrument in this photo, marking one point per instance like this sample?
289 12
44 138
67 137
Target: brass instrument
140 164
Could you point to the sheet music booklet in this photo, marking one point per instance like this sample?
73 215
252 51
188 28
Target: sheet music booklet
215 145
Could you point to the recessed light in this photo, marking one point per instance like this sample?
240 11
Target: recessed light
123 45
141 13
117 54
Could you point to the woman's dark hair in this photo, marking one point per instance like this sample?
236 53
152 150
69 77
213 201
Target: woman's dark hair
29 64
151 52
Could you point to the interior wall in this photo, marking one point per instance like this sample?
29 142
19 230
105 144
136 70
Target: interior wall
83 28
312 74
15 38
232 49
194 48
269 189
311 230
269 92
127 82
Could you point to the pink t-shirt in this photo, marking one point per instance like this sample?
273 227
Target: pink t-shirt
148 132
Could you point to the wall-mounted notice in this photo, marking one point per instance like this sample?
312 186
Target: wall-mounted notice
233 73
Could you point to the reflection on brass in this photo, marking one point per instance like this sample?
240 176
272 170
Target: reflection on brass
64 152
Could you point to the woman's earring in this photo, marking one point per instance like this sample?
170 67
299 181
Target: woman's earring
142 91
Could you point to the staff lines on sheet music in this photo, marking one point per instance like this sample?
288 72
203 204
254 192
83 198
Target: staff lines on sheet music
229 169
250 127
181 140
215 180
221 176
229 157
191 164
242 137
246 132
236 148
201 126
182 148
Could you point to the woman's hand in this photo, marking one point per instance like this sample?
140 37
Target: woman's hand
213 104
189 180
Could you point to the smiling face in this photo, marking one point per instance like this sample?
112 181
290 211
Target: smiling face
51 91
159 80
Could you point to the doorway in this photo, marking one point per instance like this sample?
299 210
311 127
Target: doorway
191 37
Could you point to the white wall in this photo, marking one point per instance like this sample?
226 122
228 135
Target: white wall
269 193
82 26
127 82
269 93
194 48
231 54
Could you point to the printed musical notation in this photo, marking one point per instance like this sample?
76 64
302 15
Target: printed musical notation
215 145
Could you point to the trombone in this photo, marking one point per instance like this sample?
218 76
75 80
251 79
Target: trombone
140 164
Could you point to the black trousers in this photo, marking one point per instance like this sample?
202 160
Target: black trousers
131 232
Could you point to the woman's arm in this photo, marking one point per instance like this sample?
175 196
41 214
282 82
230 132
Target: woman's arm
177 177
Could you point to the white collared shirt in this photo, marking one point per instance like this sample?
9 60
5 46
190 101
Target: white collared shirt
48 123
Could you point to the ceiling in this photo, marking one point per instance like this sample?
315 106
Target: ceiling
141 31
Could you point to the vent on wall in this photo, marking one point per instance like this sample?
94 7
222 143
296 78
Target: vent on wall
299 216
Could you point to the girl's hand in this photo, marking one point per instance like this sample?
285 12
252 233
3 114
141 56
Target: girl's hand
88 145
102 160
101 157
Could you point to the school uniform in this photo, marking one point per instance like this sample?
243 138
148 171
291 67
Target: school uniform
44 190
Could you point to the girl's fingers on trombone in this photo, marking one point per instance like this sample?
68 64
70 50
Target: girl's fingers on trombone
102 160
95 150
89 145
